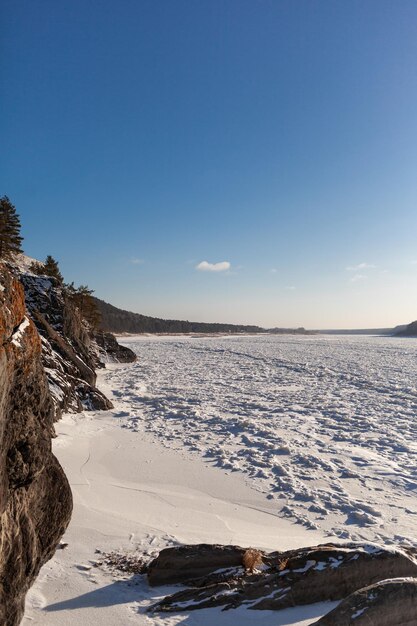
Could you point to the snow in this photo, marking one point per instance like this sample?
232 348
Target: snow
18 334
307 566
324 425
23 262
269 442
132 494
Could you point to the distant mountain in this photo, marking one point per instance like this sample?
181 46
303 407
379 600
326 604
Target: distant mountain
358 331
406 331
119 321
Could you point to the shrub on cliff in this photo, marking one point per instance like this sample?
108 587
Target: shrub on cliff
10 238
83 299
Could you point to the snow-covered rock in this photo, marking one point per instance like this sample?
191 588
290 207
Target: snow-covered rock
70 353
387 603
295 577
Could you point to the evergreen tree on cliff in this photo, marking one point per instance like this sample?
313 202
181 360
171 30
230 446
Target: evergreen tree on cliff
51 268
10 238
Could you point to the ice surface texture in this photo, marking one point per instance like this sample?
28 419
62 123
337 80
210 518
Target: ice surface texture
326 425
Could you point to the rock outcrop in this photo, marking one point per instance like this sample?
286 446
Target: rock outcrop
388 603
71 349
294 577
186 563
35 498
69 354
111 351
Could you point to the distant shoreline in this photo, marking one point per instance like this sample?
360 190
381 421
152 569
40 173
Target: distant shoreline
375 332
219 334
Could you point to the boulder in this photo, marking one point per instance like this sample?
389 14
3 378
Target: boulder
294 577
186 563
111 350
387 603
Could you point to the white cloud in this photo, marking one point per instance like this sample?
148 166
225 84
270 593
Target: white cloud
360 266
136 261
290 288
357 277
273 270
205 266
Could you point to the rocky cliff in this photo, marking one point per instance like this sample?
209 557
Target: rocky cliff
68 352
35 498
48 357
71 352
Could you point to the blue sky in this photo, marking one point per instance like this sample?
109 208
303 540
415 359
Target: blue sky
140 139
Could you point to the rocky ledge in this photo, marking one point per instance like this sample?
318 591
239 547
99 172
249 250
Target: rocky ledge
35 498
71 349
374 582
111 351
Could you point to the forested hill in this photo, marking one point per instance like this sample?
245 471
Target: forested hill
408 331
119 321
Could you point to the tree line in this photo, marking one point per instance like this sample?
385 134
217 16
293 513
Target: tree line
117 320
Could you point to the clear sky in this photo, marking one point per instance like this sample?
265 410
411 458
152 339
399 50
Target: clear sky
218 160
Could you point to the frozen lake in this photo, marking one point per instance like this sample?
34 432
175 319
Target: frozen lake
325 425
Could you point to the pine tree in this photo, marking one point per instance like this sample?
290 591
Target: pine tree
51 268
10 238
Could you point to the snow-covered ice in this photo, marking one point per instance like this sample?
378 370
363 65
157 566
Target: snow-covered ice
325 425
132 495
317 430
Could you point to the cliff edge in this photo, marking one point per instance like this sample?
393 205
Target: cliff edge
71 349
35 497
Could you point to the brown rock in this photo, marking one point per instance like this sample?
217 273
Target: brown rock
387 603
185 563
35 498
327 572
